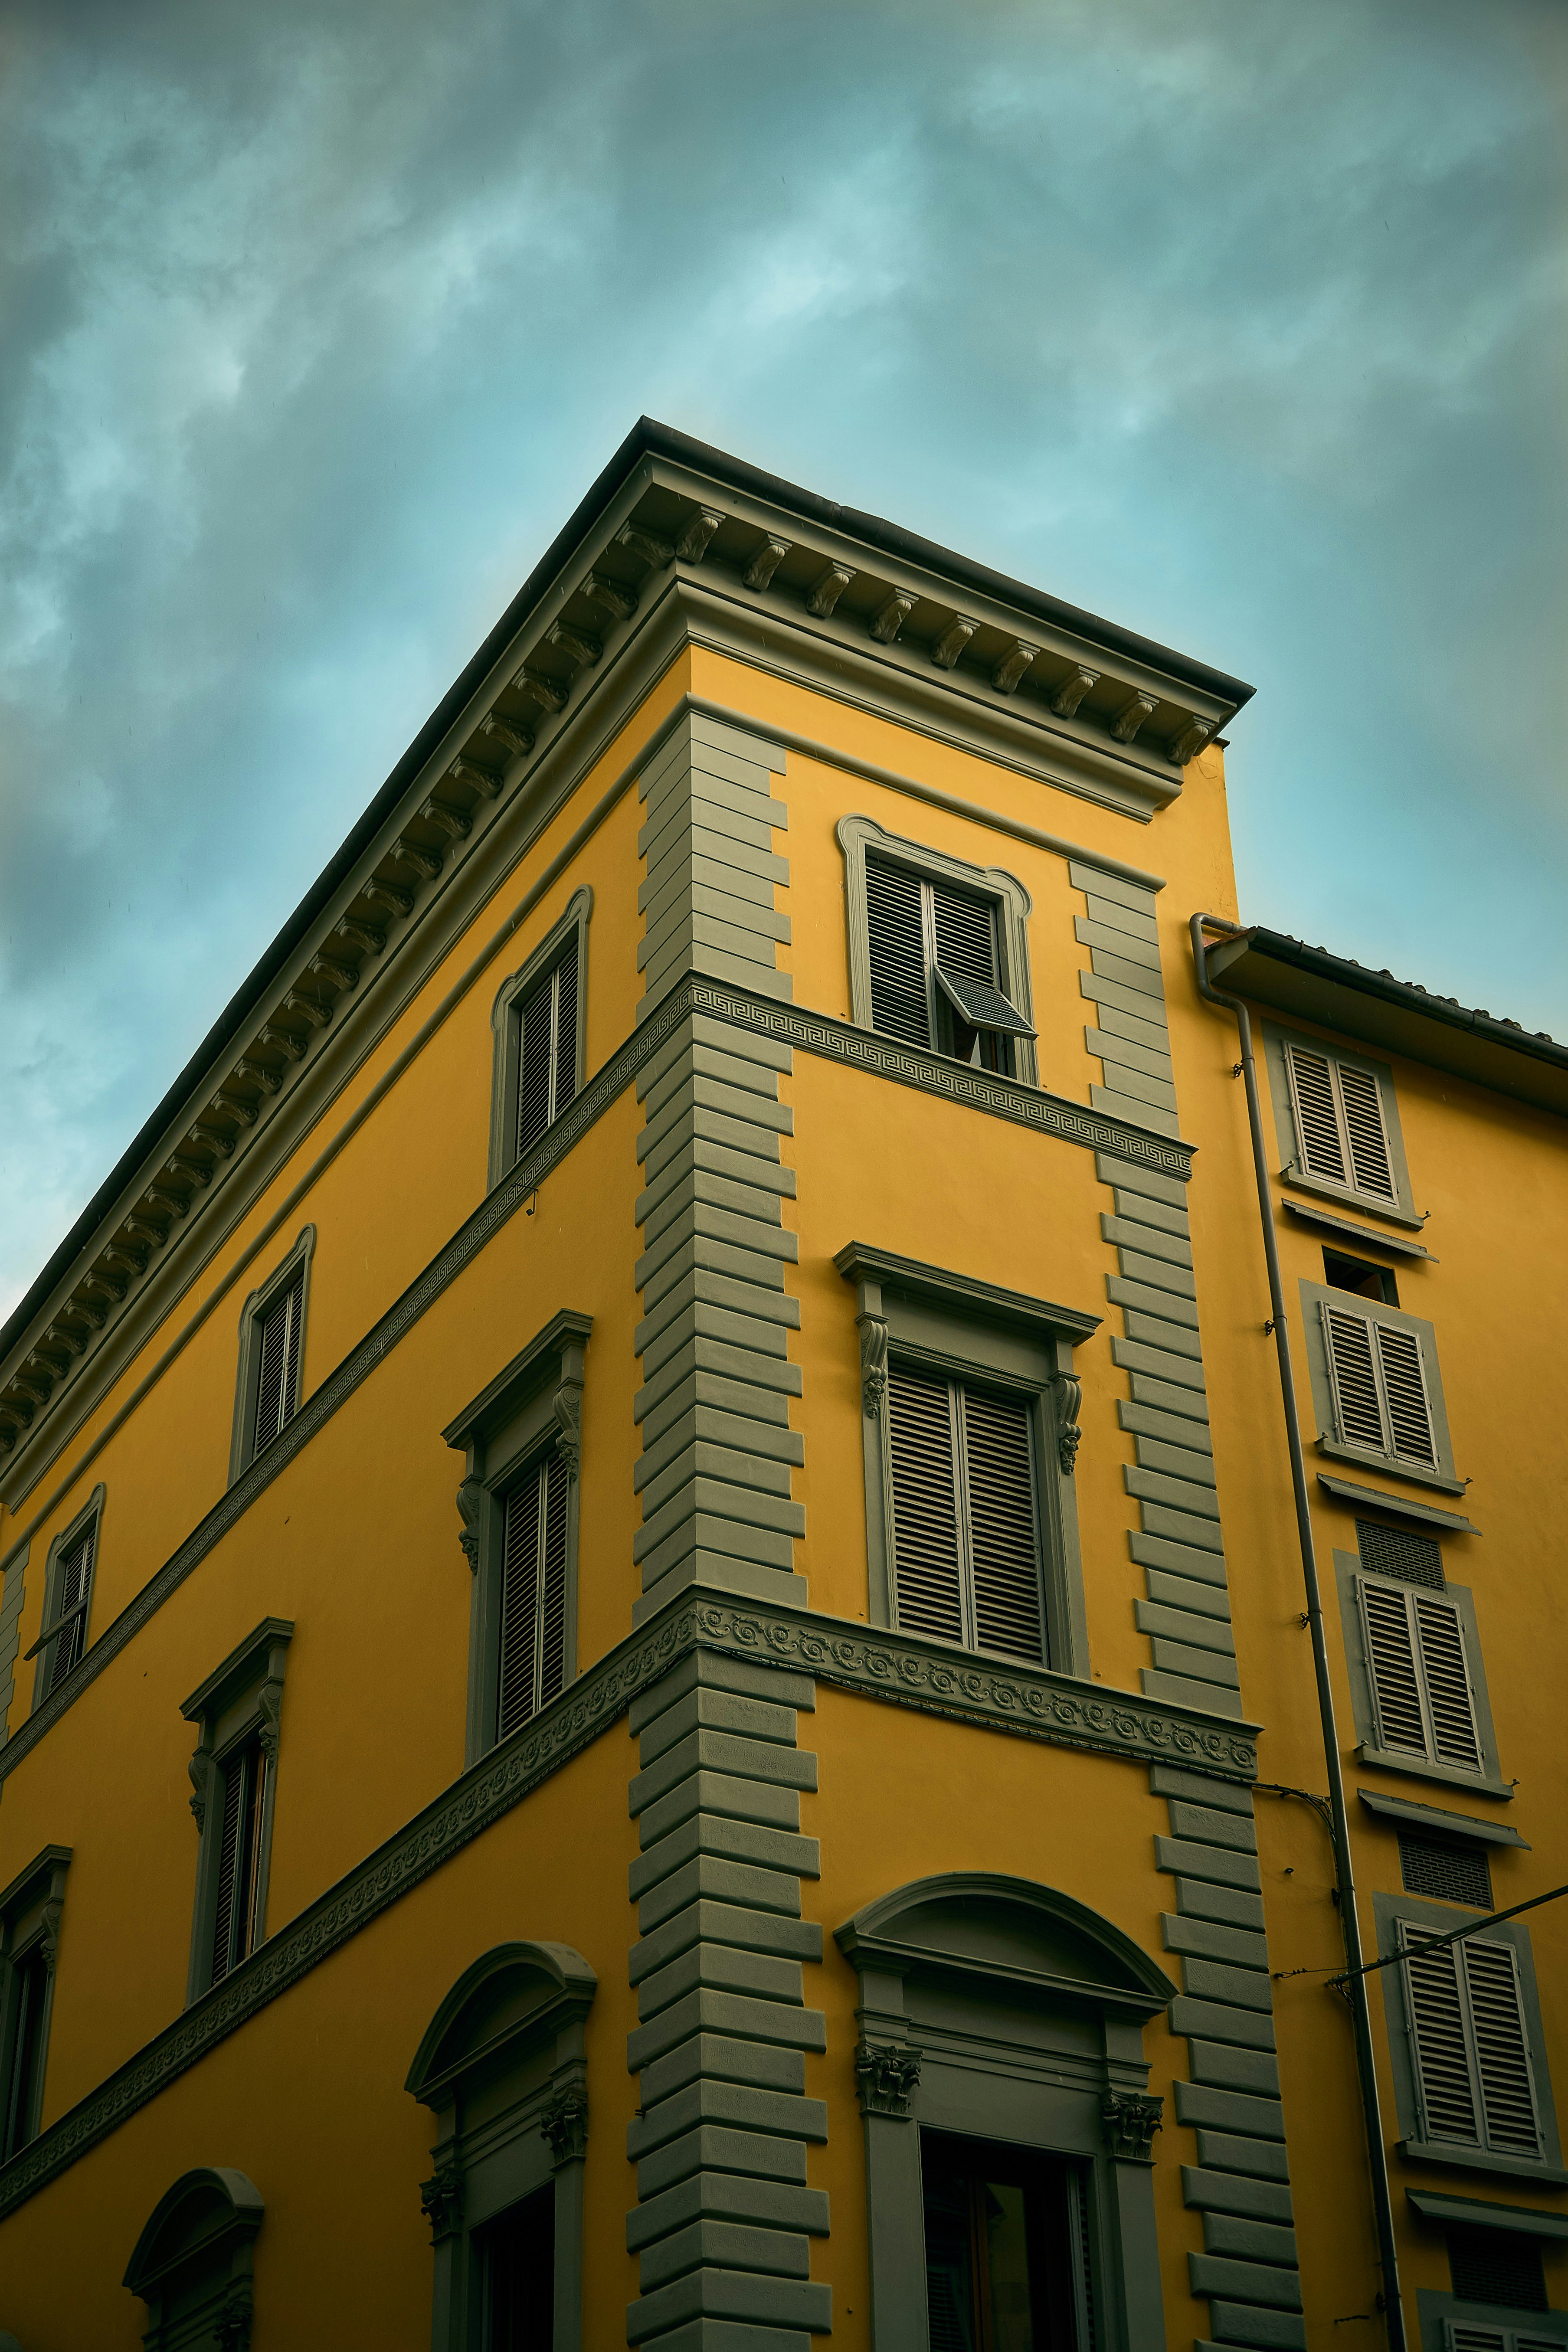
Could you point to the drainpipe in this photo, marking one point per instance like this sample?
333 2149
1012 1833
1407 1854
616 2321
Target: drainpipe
1356 1985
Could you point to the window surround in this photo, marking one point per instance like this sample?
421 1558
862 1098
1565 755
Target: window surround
505 1070
536 1404
1401 1211
1489 1781
193 2261
242 1445
961 1327
931 1958
1313 1294
856 834
515 2017
239 1701
43 1648
1513 2330
30 1909
1421 1911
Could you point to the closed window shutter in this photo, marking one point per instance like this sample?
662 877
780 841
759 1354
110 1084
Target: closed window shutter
1339 1124
564 1075
1444 2076
1391 1661
552 1587
72 1585
1502 2050
533 1597
1378 1383
29 1984
895 930
278 1371
1469 2335
1352 1376
547 1049
1445 1671
1422 1692
238 1858
966 1559
1473 2073
1405 1392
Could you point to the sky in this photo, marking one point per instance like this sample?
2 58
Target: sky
1240 322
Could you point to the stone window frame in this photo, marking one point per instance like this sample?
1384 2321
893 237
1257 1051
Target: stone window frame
209 2217
1423 1911
540 2137
31 1908
239 1701
1402 1211
1349 1573
1050 2096
242 1444
531 1406
573 922
964 1328
1313 1294
1014 904
43 1649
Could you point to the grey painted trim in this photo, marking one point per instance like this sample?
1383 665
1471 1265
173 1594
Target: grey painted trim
192 2267
13 1597
1126 985
895 1668
240 1699
1391 1244
965 1293
1402 1210
1439 1821
573 921
45 1652
1387 1911
1436 2309
1426 1515
1314 1295
855 834
1348 1574
1478 2213
242 1451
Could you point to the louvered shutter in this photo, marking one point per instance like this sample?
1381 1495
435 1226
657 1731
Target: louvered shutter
536 1052
532 1668
1445 2081
552 1587
965 939
72 1584
1339 1125
896 943
1378 1385
1502 2048
927 1576
1352 1376
238 1859
563 1073
278 1370
1474 2080
1361 1098
1391 1661
1469 2335
999 1507
1317 1114
1444 1672
1404 1393
1421 1686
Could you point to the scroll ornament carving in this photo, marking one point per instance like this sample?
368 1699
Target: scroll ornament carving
471 1501
1070 693
1131 2120
200 1769
888 2074
269 1697
49 1942
233 2326
565 2124
693 544
1070 1400
1189 742
873 1362
567 1403
441 2201
1131 715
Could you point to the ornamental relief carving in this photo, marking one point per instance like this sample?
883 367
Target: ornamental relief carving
887 2074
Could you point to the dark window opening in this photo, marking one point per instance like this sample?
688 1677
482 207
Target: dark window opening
517 2276
532 1667
1490 2266
278 1361
235 1926
1005 2242
1360 1275
546 1050
1451 1873
1391 1551
30 1988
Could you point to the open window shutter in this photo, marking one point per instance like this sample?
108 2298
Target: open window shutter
926 1567
536 1016
999 1498
1372 1167
230 1829
520 1610
563 1074
895 932
1445 2082
553 1597
1353 1377
1502 2050
72 1584
1391 1665
1404 1387
1317 1120
278 1373
1445 1671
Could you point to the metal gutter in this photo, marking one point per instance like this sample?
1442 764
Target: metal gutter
1354 1983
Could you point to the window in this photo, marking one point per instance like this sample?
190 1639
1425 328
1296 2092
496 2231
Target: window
1006 2252
519 1504
1454 1874
1421 1690
1497 2266
938 951
271 1355
1361 1278
193 2263
30 1910
502 2066
67 1598
1337 1121
539 1025
1376 1386
1464 2336
233 1773
970 1436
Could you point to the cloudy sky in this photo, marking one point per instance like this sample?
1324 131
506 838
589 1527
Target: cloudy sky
1238 320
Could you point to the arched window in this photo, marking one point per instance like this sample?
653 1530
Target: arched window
1008 2126
501 2067
192 2267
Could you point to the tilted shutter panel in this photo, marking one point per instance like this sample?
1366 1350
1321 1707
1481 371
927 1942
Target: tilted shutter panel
1371 1166
536 1053
1405 1390
895 938
1005 1553
1445 2081
1317 1119
1502 2048
278 1371
1445 1671
519 1603
564 1075
927 1575
1353 1378
72 1584
1391 1666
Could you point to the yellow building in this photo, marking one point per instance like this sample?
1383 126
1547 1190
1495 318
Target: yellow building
627 1715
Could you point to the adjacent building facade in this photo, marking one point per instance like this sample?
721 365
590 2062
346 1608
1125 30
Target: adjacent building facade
652 1645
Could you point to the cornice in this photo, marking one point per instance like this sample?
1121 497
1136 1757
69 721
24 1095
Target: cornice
899 1669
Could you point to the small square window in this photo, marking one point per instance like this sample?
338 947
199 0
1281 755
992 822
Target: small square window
1359 1275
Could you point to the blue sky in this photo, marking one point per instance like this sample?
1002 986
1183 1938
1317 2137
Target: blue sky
1240 321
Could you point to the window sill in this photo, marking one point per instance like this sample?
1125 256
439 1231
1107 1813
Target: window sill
1475 2159
1480 1784
1389 1467
1371 1207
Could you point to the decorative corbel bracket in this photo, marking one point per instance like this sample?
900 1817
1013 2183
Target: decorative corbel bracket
564 2122
441 2200
887 2074
1131 2120
470 1503
873 1333
1068 1391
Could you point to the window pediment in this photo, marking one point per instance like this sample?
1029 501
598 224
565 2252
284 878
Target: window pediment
1011 1933
511 1997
